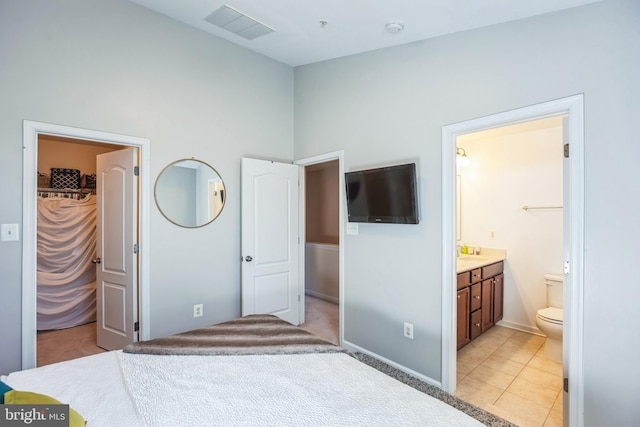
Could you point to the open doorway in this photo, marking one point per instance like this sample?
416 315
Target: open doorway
573 240
66 246
321 209
510 215
32 131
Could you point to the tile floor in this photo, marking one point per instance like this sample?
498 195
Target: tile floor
505 372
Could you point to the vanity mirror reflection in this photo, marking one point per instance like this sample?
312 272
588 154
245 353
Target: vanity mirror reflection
190 193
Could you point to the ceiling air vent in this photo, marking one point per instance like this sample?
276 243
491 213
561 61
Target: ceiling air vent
238 23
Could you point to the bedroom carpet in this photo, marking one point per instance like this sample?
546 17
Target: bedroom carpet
66 344
481 415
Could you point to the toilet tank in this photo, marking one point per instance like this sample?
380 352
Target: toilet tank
553 284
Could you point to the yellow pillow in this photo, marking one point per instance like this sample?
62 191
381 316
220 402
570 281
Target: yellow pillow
17 397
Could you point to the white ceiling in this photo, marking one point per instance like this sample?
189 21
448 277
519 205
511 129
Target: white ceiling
353 26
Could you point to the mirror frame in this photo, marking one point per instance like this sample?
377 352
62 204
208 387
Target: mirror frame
164 214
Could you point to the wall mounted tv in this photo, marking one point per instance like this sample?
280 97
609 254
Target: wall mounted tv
383 195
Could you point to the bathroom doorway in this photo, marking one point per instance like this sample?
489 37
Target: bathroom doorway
572 251
510 202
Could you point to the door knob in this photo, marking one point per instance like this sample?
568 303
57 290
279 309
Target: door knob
96 261
248 258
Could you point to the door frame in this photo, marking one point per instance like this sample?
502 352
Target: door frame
308 161
573 246
31 130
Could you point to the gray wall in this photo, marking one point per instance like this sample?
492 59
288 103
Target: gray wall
390 105
117 67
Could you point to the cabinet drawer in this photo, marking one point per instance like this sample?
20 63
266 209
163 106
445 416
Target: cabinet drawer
492 270
476 275
464 279
476 296
476 323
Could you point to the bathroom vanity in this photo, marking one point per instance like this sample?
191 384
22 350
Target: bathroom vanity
480 287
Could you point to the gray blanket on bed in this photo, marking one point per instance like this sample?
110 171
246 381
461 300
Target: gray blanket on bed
254 334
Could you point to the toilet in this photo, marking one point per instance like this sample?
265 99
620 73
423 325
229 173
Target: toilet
549 319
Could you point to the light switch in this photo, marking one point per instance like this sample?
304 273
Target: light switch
352 228
9 232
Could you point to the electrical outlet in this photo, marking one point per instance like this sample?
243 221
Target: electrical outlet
408 330
352 228
197 310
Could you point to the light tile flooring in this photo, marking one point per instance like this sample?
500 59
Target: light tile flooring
504 371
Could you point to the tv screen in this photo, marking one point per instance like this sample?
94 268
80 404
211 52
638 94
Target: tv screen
383 195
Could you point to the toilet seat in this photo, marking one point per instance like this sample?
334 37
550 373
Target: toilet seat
551 315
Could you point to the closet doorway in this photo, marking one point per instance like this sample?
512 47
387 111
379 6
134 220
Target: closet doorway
66 246
46 143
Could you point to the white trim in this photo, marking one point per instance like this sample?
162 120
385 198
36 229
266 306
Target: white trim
573 328
308 161
31 130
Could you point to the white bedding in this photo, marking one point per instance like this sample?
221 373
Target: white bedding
91 385
122 389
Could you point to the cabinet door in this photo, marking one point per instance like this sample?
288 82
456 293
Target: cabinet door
463 317
487 302
498 289
476 324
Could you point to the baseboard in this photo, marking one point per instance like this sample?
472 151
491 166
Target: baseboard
322 296
520 327
354 348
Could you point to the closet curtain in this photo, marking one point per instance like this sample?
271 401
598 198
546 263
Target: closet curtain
66 276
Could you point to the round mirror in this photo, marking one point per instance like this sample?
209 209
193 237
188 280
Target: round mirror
190 193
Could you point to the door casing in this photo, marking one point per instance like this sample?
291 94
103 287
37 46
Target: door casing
31 130
573 246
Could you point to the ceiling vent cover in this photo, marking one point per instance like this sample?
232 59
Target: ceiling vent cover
238 23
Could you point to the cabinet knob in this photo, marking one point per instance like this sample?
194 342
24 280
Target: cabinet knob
477 325
458 296
476 296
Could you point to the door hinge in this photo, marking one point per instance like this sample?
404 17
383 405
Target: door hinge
135 248
565 384
136 170
298 297
566 151
136 327
566 268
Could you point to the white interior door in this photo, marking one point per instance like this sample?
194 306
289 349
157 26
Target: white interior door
270 238
117 265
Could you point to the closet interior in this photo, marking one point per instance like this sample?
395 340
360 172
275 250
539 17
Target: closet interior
66 232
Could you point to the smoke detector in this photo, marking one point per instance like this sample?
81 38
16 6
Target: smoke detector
394 27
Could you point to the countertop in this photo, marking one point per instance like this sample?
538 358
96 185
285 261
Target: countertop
487 256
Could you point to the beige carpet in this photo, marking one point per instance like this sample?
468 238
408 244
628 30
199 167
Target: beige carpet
322 319
66 344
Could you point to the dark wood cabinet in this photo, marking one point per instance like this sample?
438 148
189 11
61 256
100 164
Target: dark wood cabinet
480 301
487 304
463 317
498 292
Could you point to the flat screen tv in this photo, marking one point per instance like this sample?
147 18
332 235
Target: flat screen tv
383 195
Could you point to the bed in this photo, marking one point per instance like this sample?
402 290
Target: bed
254 371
